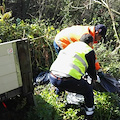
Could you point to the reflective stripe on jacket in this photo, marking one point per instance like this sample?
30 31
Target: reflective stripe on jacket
72 34
71 60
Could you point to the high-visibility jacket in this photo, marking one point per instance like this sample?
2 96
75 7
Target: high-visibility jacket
71 61
74 33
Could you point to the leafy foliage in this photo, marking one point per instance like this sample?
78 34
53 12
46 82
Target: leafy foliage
107 106
41 39
50 17
49 106
110 63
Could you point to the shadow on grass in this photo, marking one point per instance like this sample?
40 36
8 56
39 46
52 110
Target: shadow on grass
18 109
14 108
42 111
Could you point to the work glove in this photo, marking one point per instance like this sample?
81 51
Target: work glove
98 79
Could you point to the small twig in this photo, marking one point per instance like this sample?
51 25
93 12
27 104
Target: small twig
47 43
106 7
23 34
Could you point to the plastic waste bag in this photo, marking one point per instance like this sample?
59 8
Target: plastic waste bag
42 78
110 84
74 98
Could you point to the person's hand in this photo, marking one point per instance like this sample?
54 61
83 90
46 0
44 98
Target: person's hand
98 79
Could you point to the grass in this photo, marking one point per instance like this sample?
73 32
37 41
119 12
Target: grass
48 107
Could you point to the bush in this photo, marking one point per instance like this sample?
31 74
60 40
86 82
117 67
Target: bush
110 63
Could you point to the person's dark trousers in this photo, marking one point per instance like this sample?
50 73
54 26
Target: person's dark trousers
57 48
76 86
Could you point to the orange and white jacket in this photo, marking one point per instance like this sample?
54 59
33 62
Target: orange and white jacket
72 34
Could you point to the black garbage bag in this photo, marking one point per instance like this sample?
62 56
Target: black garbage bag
107 84
42 78
110 84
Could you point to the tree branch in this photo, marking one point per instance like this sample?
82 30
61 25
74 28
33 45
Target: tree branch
111 15
106 6
113 21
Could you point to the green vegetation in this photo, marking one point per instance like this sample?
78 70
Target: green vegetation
47 20
110 61
41 37
50 107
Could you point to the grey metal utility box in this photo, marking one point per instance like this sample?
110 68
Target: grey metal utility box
15 69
